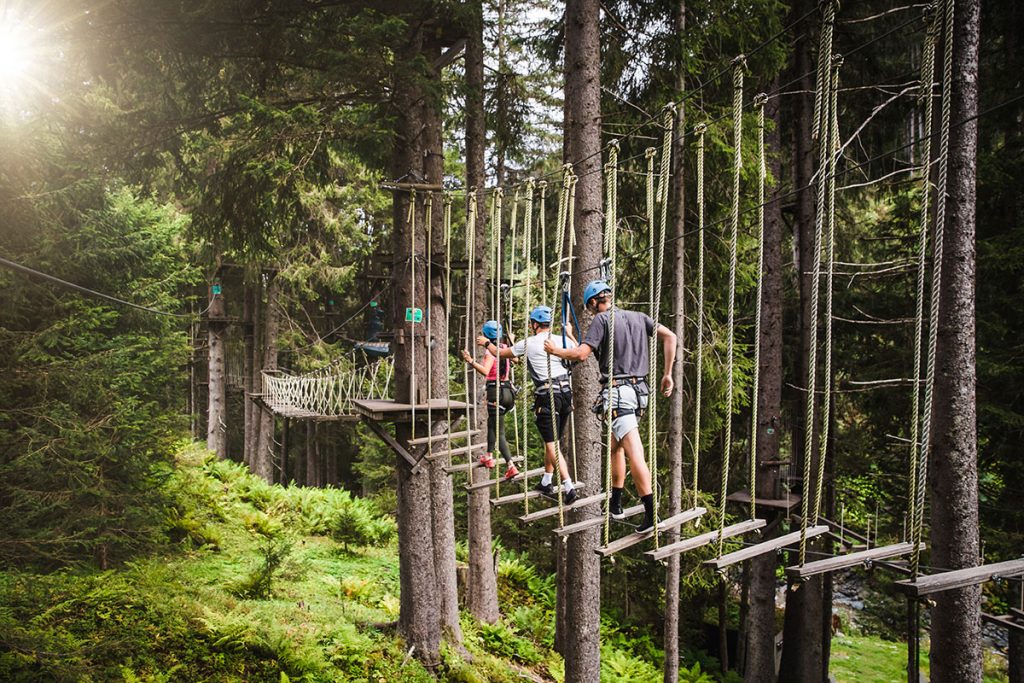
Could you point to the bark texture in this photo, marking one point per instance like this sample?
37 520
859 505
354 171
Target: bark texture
953 472
676 422
263 458
216 413
482 588
582 590
759 660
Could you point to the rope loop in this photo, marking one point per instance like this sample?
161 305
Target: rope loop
760 99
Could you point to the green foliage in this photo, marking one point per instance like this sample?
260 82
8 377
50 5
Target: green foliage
257 584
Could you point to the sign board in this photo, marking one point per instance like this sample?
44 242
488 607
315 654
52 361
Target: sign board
414 315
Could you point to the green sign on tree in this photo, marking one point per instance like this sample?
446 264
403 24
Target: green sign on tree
414 315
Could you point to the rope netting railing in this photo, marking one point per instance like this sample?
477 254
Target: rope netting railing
328 391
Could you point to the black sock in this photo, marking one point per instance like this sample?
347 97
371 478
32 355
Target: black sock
616 497
648 502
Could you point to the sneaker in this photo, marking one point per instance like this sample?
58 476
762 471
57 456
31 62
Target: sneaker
645 525
570 497
487 461
616 511
511 472
545 489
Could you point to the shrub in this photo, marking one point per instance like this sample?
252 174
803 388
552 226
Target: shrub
257 584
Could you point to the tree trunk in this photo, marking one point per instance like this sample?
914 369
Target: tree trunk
582 591
255 370
423 588
216 414
251 379
759 659
1016 657
676 423
263 462
482 586
953 472
802 637
312 461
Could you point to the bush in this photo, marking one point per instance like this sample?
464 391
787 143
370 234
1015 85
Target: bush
355 523
258 583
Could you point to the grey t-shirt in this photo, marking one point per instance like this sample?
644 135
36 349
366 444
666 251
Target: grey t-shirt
632 330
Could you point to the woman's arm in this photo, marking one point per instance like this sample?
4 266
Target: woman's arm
483 368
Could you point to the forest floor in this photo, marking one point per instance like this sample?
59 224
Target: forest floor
263 583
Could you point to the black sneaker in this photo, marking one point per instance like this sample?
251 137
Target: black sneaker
616 511
545 489
645 526
570 497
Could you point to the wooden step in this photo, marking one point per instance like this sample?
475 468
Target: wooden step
694 542
596 521
518 479
663 525
465 467
442 452
443 437
769 546
959 578
531 494
553 511
865 557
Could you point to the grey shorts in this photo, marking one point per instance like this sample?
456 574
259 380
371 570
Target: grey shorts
626 397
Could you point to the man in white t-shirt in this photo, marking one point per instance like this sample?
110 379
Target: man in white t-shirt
551 380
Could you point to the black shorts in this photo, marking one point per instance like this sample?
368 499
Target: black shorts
542 414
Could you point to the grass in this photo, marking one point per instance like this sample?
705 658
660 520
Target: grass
865 659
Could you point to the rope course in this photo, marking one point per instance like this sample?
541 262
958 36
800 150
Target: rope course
328 392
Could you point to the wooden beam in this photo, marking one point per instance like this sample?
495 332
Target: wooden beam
552 511
531 494
743 498
959 578
596 521
443 437
694 542
466 467
864 557
1005 621
393 443
422 187
758 549
663 525
494 482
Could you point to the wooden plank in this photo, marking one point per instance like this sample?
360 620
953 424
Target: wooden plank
393 411
531 494
959 578
1005 622
443 437
395 446
743 498
620 544
465 467
769 546
553 511
694 542
864 557
596 521
502 480
441 452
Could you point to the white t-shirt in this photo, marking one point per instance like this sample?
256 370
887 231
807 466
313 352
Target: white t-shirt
537 357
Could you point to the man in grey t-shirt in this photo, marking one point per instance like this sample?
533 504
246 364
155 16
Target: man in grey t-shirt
627 391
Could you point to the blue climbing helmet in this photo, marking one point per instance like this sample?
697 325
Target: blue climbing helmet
492 330
541 314
594 288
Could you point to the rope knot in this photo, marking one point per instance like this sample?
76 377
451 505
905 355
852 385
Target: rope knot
650 152
700 129
837 61
760 100
739 61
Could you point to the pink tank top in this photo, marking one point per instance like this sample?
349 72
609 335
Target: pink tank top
492 375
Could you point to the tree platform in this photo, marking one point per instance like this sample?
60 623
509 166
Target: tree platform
394 411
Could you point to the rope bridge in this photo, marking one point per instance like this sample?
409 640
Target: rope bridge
329 392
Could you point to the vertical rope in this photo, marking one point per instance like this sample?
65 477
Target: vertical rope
666 170
412 324
447 198
511 311
821 92
759 103
933 317
699 130
571 220
471 258
428 319
610 219
652 345
527 233
925 98
734 222
499 195
830 227
563 200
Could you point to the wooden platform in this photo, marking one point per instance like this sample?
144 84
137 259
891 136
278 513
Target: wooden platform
553 511
694 542
516 480
531 494
959 578
596 521
393 411
769 546
787 504
298 414
663 525
864 557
